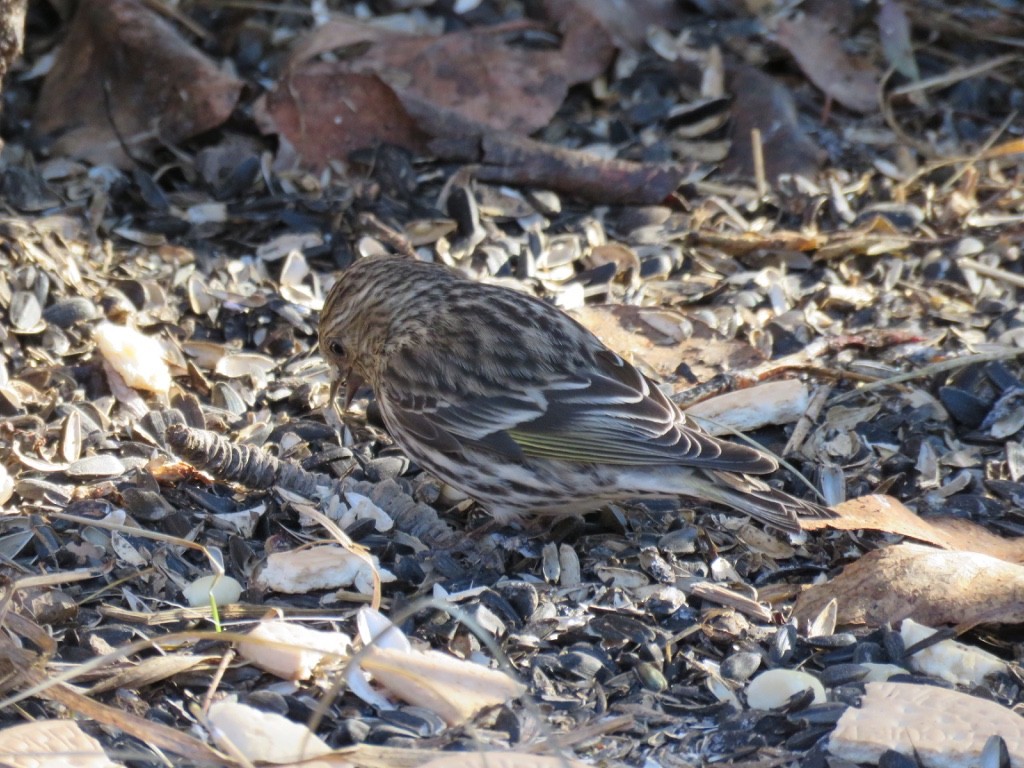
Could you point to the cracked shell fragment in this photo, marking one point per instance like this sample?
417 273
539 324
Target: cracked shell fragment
291 651
138 358
48 744
454 688
263 736
943 728
325 567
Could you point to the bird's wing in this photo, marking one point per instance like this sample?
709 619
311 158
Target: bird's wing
450 425
613 414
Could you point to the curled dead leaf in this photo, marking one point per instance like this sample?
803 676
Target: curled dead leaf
774 402
819 51
885 513
932 586
124 72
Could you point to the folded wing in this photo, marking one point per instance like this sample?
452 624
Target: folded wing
611 413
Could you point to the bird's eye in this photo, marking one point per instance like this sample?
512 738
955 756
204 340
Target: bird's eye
336 349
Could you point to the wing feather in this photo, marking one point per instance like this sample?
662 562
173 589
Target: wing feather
611 414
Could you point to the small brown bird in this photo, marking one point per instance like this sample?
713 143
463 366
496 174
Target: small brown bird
513 402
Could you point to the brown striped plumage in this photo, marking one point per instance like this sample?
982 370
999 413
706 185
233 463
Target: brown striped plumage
515 403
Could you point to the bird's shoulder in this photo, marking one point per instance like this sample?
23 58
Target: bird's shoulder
479 338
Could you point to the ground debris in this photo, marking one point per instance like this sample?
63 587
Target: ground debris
818 203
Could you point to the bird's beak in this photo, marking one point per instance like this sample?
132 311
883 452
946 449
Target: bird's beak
352 381
352 384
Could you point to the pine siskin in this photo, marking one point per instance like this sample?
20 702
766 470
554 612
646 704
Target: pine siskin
519 406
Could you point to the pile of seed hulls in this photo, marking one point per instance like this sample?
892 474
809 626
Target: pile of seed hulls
633 611
637 628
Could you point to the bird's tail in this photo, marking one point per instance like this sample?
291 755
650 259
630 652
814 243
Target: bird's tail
743 493
762 502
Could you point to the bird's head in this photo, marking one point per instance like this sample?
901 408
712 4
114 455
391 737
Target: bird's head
354 324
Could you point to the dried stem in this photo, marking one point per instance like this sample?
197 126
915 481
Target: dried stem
245 464
255 468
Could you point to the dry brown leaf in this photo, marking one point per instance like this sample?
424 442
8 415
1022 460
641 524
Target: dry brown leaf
657 340
884 513
971 537
123 67
46 605
819 53
942 728
761 102
929 585
773 402
325 112
1006 149
587 31
482 74
391 87
475 92
508 158
626 21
